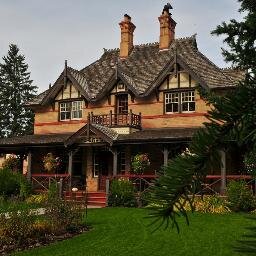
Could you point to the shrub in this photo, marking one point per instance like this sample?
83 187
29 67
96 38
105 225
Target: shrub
240 197
63 216
37 199
139 163
9 183
122 193
12 184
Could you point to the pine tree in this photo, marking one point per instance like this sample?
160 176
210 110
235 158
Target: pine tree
15 89
232 122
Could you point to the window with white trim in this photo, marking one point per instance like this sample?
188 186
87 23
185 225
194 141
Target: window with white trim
179 102
96 165
71 110
172 102
188 101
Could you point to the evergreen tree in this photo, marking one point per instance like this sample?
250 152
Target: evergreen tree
232 122
15 89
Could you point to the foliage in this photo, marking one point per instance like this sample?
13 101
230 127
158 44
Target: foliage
13 184
63 216
15 89
250 163
139 163
16 228
51 163
240 197
122 193
11 163
39 199
208 204
231 123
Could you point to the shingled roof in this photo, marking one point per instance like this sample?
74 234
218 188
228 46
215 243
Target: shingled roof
143 70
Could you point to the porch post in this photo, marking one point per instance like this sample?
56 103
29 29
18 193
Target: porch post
223 172
29 173
70 165
166 155
114 152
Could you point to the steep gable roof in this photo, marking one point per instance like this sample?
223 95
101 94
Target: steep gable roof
143 70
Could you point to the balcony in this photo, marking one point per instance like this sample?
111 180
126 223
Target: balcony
117 120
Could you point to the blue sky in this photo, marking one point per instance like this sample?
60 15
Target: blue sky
50 31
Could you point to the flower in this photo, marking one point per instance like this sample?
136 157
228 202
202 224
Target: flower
51 163
140 162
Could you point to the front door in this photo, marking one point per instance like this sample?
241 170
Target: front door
104 159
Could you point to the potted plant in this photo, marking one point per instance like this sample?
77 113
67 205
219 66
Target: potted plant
139 163
51 163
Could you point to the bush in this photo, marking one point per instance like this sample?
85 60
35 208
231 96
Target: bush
209 204
240 197
13 184
37 199
122 193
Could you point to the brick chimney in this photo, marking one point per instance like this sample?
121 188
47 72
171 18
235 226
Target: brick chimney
167 28
127 29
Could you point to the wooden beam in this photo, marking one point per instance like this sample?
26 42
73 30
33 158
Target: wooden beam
29 169
70 166
223 172
115 154
166 155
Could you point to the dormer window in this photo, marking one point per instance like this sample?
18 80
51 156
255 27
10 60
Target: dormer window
71 110
179 102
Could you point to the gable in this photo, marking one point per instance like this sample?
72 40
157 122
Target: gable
68 92
179 79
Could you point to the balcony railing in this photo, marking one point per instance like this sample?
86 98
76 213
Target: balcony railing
117 120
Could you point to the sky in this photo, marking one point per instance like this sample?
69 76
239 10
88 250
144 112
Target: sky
48 32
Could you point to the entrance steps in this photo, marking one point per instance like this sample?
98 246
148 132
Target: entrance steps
93 198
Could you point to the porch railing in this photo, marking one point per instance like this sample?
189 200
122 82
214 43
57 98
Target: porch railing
116 120
210 185
42 181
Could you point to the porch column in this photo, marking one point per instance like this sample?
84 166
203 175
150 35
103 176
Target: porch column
166 156
29 173
114 152
223 172
70 165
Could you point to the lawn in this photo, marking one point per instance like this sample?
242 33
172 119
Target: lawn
124 231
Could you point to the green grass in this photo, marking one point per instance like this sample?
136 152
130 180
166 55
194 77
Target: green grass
123 231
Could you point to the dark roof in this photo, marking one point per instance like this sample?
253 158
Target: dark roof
144 69
107 134
36 139
161 134
235 74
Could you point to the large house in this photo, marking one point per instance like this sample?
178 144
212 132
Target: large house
135 99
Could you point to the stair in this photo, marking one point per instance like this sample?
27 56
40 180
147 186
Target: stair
93 198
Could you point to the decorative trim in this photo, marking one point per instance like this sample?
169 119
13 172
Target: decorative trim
61 122
174 115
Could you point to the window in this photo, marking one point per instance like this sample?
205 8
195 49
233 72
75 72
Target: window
176 102
121 162
71 110
122 104
76 112
188 101
96 165
172 102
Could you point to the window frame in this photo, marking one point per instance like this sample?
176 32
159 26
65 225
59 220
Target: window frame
69 110
180 101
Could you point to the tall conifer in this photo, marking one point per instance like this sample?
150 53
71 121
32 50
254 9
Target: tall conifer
15 89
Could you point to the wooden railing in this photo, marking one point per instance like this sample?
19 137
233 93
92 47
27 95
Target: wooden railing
114 120
42 181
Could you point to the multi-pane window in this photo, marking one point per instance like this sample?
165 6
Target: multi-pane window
176 102
96 165
121 162
71 110
188 101
122 104
172 102
76 111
